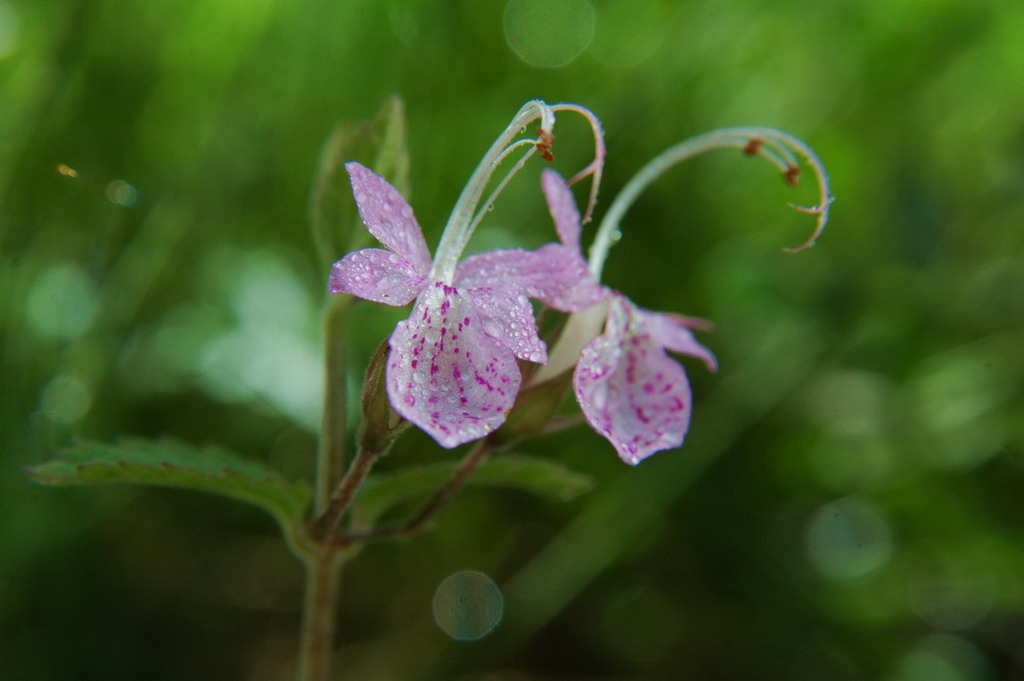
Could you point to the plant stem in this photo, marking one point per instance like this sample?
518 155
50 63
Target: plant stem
331 455
320 612
438 501
323 568
345 493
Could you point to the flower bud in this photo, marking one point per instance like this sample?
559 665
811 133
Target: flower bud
381 424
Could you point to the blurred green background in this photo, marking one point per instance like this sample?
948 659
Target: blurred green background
850 502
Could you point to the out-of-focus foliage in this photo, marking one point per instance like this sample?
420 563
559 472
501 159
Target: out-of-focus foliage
850 501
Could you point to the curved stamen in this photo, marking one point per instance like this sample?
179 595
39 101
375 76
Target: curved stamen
595 167
458 229
489 203
465 216
777 147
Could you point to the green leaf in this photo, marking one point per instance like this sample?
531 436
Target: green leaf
171 463
542 477
381 146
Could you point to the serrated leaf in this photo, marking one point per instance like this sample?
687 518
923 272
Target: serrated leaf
381 146
171 463
542 477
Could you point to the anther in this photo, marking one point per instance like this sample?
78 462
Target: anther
790 175
545 140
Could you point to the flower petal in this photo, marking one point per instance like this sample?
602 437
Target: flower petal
563 280
562 205
377 275
507 316
446 374
630 391
673 332
555 274
388 215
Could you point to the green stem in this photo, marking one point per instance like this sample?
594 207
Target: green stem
438 501
323 567
345 493
320 612
331 455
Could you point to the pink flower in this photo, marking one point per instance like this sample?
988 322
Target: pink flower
452 369
629 389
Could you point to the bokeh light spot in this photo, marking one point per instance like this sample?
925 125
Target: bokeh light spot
952 604
549 33
852 402
942 658
65 400
468 605
269 354
848 540
958 402
957 390
61 303
121 193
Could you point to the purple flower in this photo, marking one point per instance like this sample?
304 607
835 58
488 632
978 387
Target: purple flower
452 369
630 390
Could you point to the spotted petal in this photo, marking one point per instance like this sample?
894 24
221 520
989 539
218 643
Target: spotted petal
507 317
446 373
555 274
673 332
630 391
388 216
377 275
